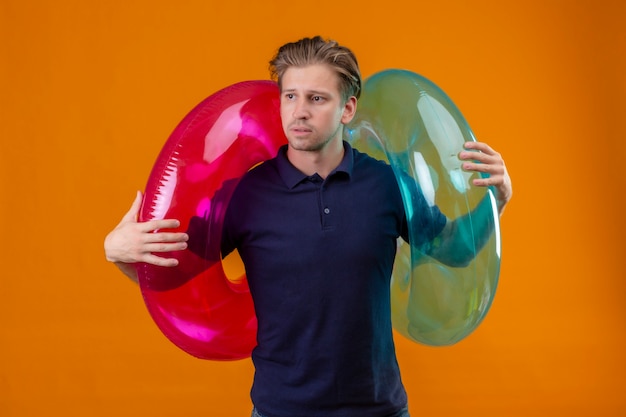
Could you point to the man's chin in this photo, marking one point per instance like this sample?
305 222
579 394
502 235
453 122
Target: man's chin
304 145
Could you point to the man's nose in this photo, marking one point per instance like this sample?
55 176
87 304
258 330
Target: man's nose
301 110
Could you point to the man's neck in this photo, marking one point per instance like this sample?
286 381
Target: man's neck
321 162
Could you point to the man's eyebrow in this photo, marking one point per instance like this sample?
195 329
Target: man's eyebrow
320 92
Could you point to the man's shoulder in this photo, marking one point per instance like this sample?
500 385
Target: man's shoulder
365 161
263 171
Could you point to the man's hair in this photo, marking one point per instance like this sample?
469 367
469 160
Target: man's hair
316 50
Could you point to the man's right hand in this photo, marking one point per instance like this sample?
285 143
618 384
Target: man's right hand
131 242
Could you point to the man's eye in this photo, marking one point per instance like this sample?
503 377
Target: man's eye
289 96
317 98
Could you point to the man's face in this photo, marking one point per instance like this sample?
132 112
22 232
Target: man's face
311 107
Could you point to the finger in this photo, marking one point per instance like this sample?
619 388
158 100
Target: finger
153 225
163 237
484 158
486 168
479 146
474 156
131 215
165 247
482 182
160 261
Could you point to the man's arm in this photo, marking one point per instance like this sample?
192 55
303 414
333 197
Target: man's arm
460 241
488 161
131 242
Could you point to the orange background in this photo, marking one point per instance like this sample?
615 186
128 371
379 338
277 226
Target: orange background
91 90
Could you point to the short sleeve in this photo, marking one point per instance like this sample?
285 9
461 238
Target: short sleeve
424 222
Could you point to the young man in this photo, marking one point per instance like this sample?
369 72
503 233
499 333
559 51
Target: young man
316 228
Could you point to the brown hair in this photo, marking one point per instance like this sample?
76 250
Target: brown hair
316 50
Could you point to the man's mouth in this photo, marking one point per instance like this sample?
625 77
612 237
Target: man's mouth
300 129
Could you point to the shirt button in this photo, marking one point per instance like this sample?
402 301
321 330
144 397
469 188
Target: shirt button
326 210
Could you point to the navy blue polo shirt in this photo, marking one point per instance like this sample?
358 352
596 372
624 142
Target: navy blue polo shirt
318 255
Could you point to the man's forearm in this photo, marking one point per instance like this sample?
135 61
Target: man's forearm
464 237
128 270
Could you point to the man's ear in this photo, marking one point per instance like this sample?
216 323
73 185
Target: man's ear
349 110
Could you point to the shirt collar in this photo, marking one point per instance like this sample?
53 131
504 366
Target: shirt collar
291 176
